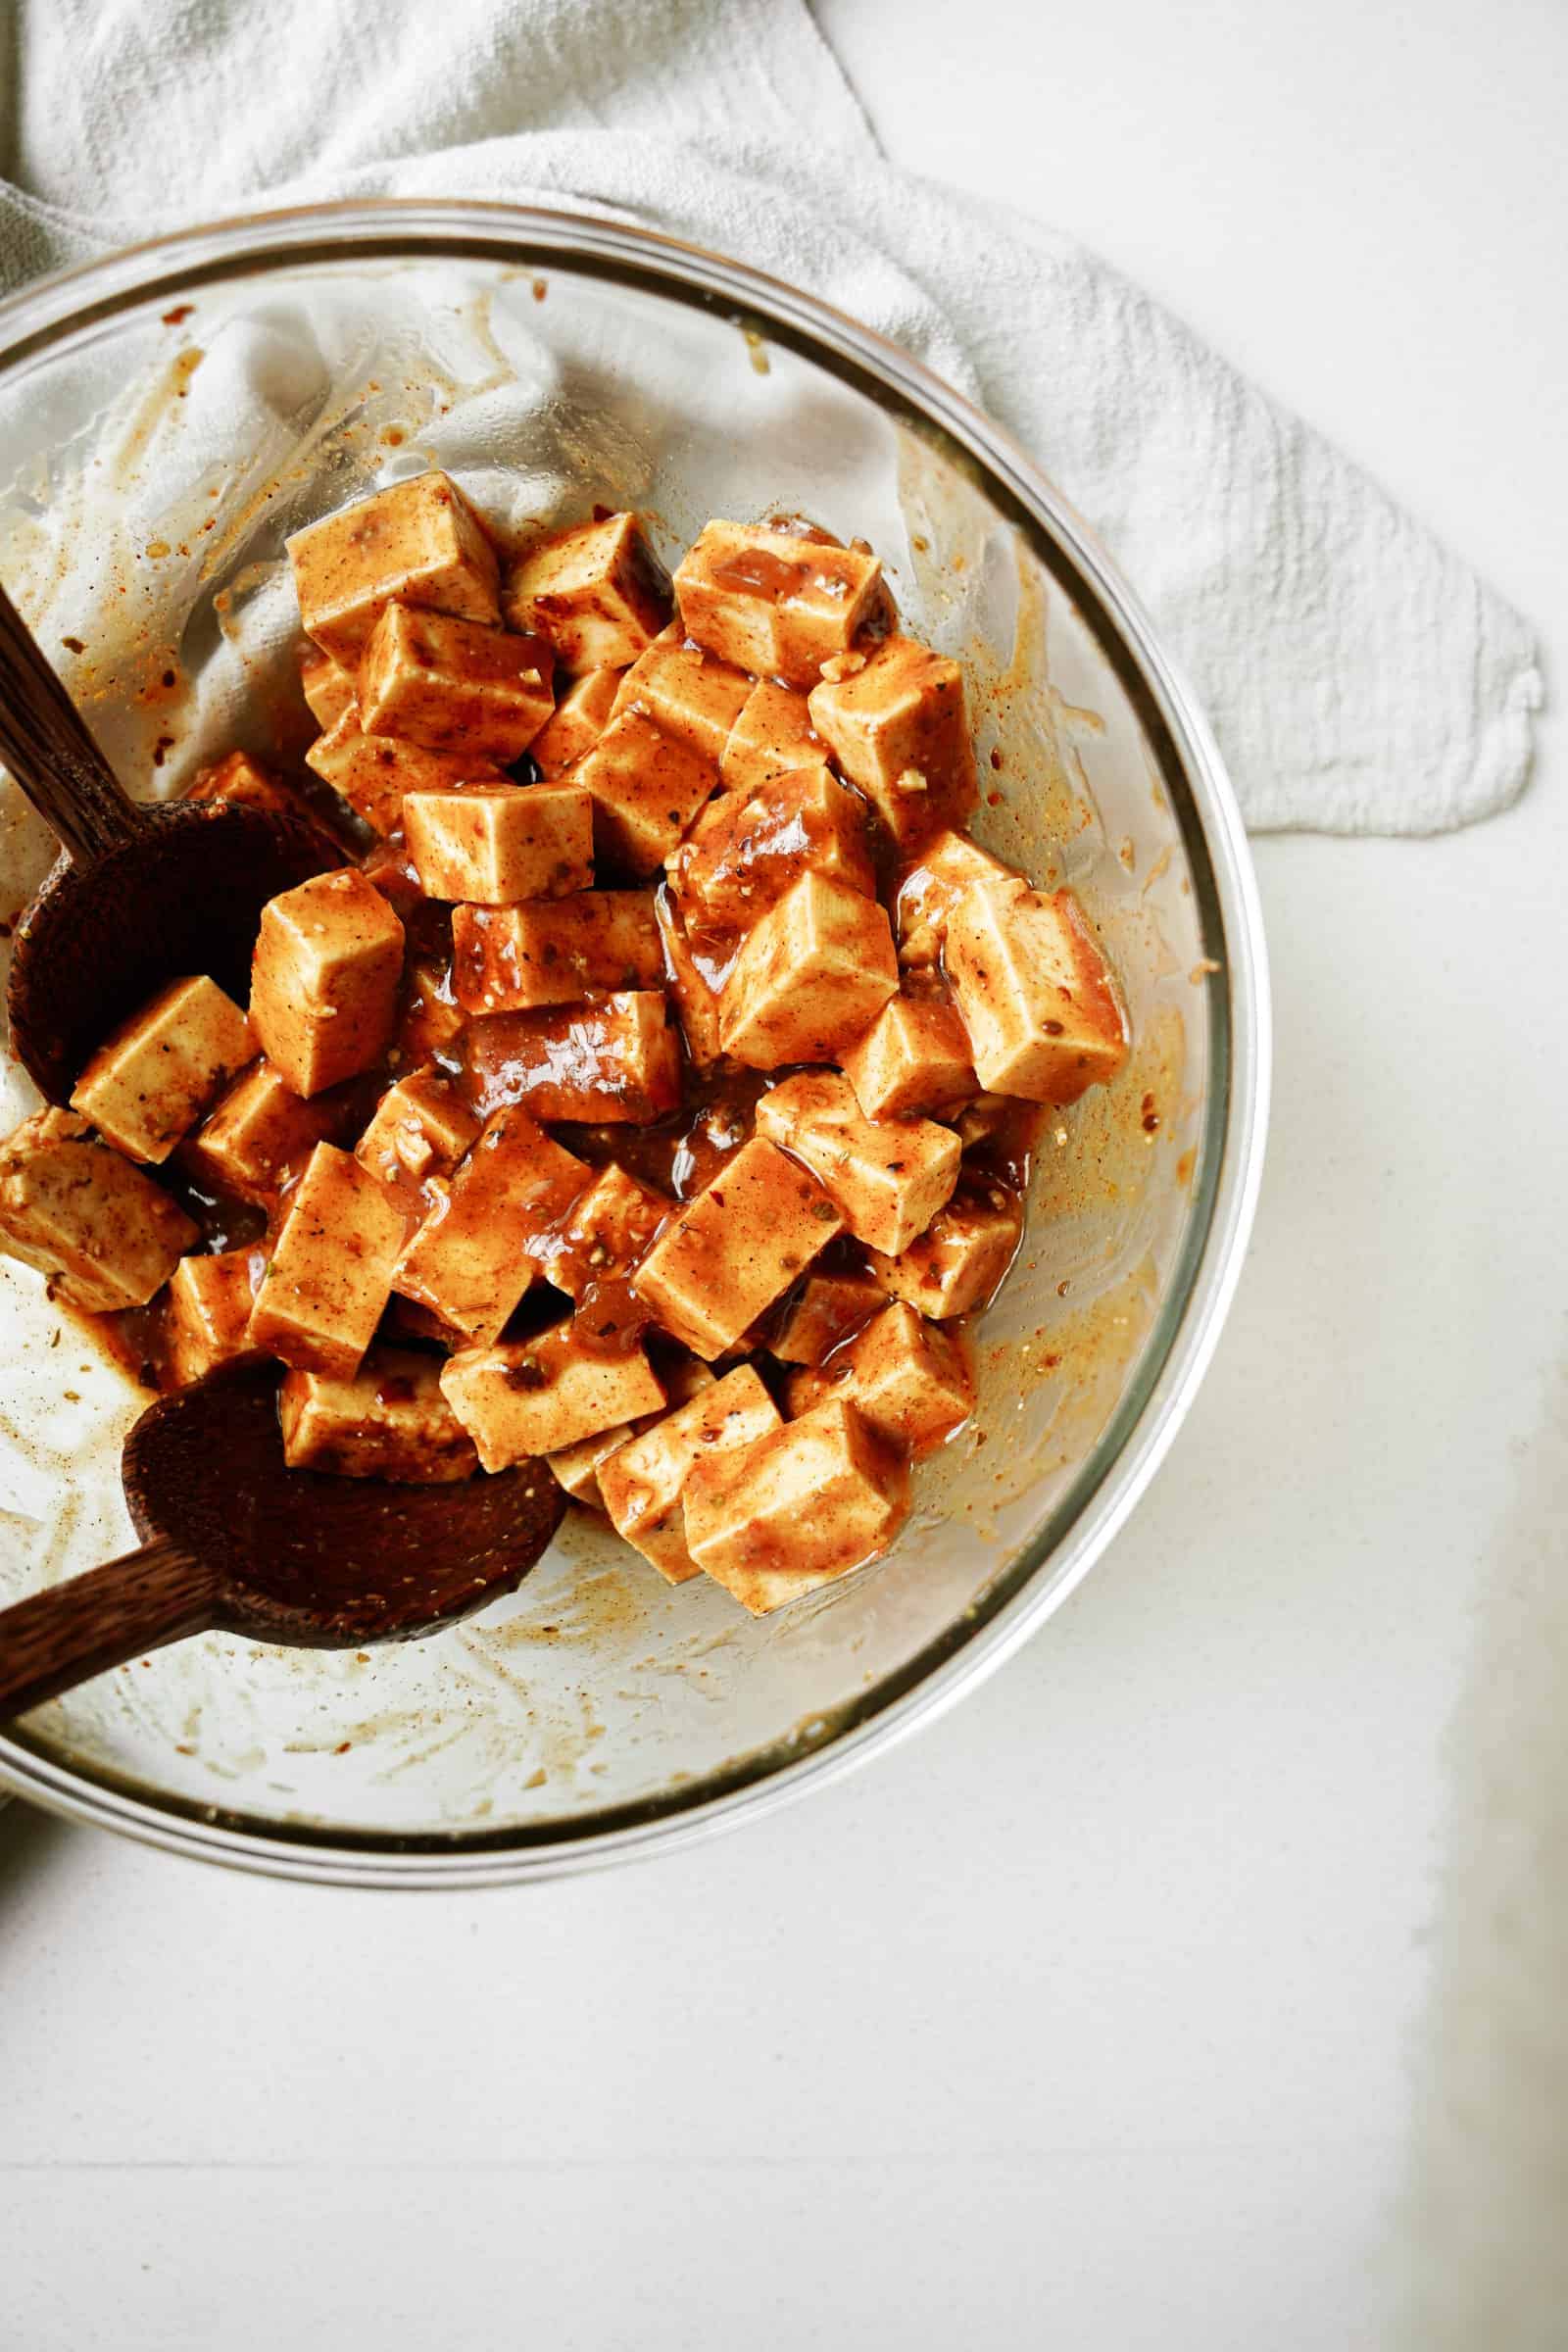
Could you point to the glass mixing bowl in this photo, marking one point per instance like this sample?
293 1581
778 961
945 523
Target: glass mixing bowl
167 417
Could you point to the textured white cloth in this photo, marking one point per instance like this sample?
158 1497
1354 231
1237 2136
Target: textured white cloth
1359 676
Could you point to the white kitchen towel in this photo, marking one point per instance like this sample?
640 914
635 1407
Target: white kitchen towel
1359 677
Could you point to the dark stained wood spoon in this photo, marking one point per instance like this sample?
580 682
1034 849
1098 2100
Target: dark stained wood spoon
141 894
234 1541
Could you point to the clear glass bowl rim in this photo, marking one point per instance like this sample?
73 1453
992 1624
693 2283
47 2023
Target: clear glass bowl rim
1225 1184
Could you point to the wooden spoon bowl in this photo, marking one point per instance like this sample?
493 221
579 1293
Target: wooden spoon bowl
235 1540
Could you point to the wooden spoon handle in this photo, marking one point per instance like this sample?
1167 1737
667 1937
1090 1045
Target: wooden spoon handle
55 1640
47 748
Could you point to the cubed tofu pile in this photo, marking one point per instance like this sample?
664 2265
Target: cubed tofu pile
633 1099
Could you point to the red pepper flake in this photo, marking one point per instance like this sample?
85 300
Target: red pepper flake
993 800
170 679
179 315
541 287
342 1747
161 749
74 644
996 761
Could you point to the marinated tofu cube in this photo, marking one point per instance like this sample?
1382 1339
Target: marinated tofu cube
827 1310
555 950
577 1467
735 1248
418 542
210 1302
260 1131
642 1481
797 1508
913 1057
772 734
900 730
473 1257
909 1379
930 888
105 1235
537 1396
746 849
775 603
615 1061
812 974
887 1178
431 1020
580 718
693 994
610 1227
238 778
596 591
647 787
960 1261
149 1083
1037 996
686 693
327 687
325 980
455 685
492 848
331 1270
390 1420
421 1129
376 773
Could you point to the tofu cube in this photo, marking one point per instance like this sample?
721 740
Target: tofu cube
555 950
772 601
960 1261
376 773
238 777
1037 996
325 980
615 1061
105 1235
930 888
210 1302
913 1057
260 1133
746 849
577 1467
596 592
579 718
537 1396
647 787
735 1248
610 1227
471 1258
908 1378
493 846
642 1481
772 733
797 1508
455 685
900 730
826 1310
327 687
431 1020
390 1420
812 974
332 1270
419 542
421 1129
149 1083
691 990
887 1178
686 693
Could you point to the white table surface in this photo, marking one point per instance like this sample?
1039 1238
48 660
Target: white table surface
1088 2018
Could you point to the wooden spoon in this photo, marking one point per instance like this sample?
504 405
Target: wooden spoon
142 895
235 1540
